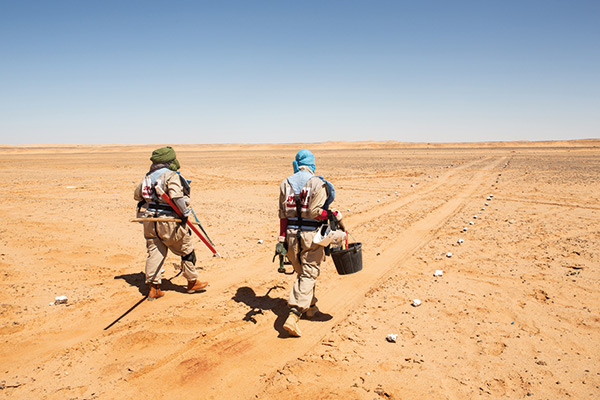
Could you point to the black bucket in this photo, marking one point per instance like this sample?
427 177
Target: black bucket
347 261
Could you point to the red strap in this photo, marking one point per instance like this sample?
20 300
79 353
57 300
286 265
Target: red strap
323 215
282 226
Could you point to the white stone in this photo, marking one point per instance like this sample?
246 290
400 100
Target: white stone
465 229
487 204
460 241
448 254
416 303
392 337
438 272
60 300
471 223
260 241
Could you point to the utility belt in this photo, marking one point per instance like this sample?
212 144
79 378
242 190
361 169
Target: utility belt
159 207
309 225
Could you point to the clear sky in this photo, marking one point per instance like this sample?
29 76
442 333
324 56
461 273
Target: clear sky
256 71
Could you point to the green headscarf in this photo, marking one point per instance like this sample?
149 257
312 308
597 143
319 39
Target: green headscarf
165 155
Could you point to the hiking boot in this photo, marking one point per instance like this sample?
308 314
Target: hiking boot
291 324
312 311
155 292
196 285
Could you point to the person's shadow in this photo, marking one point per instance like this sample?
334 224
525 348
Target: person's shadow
139 280
259 304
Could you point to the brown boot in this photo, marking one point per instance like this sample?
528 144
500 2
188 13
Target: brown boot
196 285
155 292
312 311
291 324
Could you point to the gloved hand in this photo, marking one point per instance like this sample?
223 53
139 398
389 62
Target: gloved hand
183 220
337 214
280 249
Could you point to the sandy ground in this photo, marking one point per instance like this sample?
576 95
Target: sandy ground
516 313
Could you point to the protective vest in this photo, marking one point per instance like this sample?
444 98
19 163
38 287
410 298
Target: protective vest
148 191
296 204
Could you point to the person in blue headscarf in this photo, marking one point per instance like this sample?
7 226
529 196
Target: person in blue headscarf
303 209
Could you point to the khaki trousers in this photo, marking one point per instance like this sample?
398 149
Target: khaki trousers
162 237
307 268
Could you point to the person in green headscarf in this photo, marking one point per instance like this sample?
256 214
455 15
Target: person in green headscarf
165 156
162 236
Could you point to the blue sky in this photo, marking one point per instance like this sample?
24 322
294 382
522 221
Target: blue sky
298 71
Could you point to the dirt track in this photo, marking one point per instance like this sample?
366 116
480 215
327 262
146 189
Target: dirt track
515 313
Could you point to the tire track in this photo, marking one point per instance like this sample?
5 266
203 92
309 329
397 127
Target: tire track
230 367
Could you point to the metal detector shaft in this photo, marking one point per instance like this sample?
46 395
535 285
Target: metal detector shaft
200 226
189 223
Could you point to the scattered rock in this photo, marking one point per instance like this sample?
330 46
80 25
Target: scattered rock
460 241
438 272
392 337
416 303
260 241
60 300
448 254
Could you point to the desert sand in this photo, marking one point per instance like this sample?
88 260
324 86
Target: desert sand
515 314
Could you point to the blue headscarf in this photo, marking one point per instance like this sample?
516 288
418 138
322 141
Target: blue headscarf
304 157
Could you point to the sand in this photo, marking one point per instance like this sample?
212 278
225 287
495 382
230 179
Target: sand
515 313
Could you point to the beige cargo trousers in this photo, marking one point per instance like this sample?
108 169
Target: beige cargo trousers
162 237
302 295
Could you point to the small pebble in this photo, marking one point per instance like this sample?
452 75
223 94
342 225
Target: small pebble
260 241
471 223
416 303
448 255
